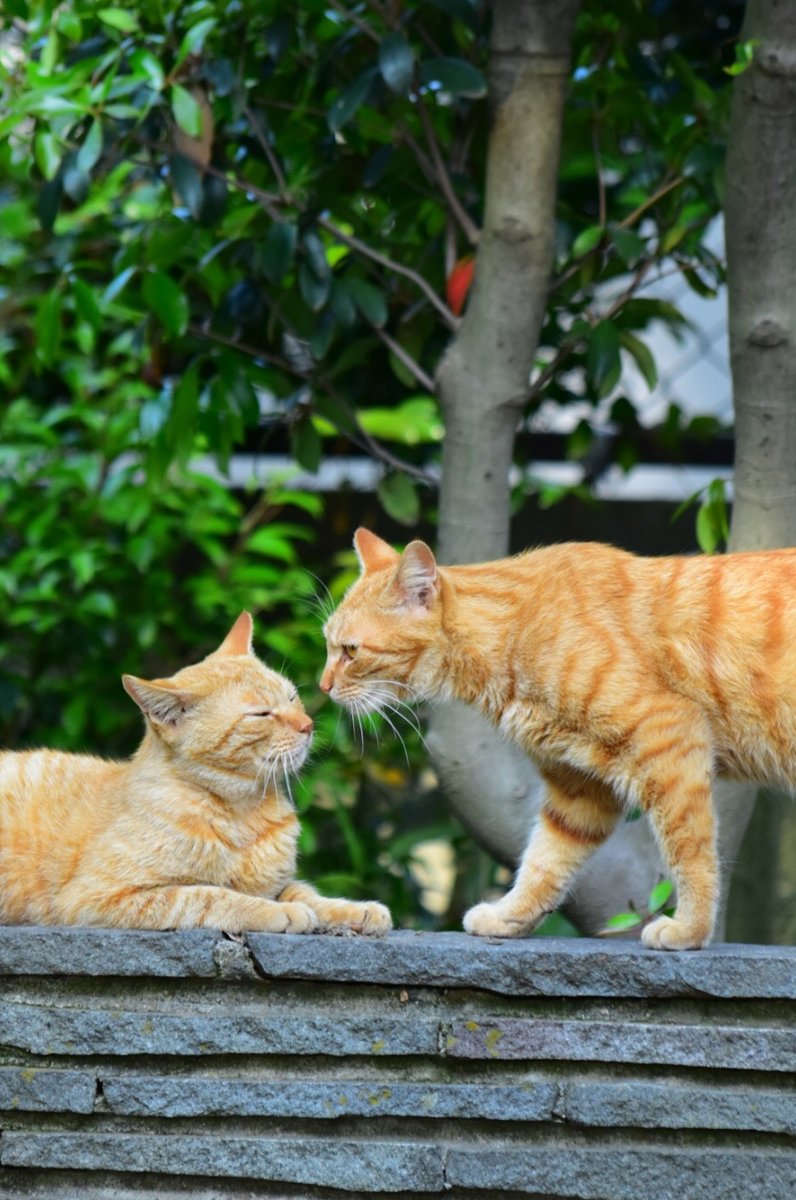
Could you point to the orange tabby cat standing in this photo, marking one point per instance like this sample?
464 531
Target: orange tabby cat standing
629 681
192 831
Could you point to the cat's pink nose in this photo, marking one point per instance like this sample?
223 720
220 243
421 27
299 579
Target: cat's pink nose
327 682
305 726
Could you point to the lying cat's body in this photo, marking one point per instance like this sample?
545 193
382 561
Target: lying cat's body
192 831
629 681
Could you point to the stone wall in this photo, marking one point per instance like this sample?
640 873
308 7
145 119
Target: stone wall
196 1064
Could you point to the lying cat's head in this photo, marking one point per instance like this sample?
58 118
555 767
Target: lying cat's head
384 640
228 715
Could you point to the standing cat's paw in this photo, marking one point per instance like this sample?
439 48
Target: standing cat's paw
494 920
667 933
294 917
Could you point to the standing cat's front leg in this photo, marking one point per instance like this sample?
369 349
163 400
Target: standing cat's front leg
671 769
578 814
366 916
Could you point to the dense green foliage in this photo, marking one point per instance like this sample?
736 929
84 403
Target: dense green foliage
227 224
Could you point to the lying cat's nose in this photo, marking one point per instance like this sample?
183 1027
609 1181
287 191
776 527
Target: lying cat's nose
305 726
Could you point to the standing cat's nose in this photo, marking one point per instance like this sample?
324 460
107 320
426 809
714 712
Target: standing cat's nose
327 681
305 726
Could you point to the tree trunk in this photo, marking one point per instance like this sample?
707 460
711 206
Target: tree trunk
761 262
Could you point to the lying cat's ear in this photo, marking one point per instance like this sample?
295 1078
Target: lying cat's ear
373 553
163 704
239 638
416 579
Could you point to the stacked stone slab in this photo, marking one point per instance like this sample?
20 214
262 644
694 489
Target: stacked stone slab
196 1064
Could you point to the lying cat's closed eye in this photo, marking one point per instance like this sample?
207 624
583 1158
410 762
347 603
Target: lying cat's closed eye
197 829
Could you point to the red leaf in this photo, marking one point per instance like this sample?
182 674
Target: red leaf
459 283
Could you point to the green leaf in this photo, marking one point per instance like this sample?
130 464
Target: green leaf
321 336
167 301
399 498
194 39
625 920
47 152
91 149
396 62
414 422
117 285
629 245
314 291
145 64
643 356
305 445
119 18
350 99
49 55
368 299
187 112
48 328
603 360
744 56
187 182
454 75
587 240
660 894
279 247
272 544
86 303
316 256
706 532
48 202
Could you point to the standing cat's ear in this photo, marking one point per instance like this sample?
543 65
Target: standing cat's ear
416 579
239 638
162 703
373 553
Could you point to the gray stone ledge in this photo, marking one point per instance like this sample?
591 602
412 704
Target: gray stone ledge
528 967
532 967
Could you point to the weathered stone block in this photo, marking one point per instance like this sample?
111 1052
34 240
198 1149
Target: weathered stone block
671 1104
73 950
734 1047
378 1166
52 1029
192 1096
36 1089
635 1172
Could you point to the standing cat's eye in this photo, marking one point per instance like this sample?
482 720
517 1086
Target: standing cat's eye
264 712
348 652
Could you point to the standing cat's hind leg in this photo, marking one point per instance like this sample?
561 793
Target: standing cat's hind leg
673 772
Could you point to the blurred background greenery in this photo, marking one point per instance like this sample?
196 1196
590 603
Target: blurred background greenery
240 233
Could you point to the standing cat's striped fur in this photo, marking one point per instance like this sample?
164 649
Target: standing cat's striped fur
192 831
629 681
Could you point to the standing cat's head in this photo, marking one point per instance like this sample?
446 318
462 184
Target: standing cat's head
228 716
384 640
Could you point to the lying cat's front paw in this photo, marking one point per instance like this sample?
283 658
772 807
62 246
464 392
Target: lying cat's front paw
667 933
368 917
493 920
295 917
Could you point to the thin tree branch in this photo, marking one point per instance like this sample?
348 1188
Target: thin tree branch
595 141
626 223
411 365
399 269
465 222
355 20
268 150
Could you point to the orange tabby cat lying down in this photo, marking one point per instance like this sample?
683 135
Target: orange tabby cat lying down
629 681
191 831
